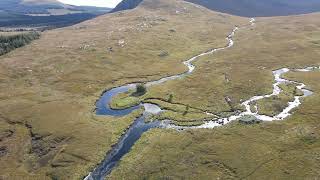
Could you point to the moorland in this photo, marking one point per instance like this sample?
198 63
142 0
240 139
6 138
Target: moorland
48 125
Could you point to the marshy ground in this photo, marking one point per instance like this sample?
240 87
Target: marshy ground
48 127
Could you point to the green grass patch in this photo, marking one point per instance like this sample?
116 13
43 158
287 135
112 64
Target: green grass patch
171 106
124 100
180 114
183 117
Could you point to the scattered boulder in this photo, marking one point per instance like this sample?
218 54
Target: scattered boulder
121 43
172 30
85 46
163 54
110 49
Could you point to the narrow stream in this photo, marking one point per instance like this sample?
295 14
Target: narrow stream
139 126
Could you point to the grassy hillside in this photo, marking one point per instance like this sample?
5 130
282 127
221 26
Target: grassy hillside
49 88
254 8
271 150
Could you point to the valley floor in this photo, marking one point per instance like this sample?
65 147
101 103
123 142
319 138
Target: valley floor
49 130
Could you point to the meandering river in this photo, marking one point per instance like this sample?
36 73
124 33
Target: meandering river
139 126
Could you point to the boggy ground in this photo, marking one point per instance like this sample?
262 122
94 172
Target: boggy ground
48 128
272 150
286 149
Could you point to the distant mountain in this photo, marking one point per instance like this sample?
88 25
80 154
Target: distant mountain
254 8
21 13
248 8
41 2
